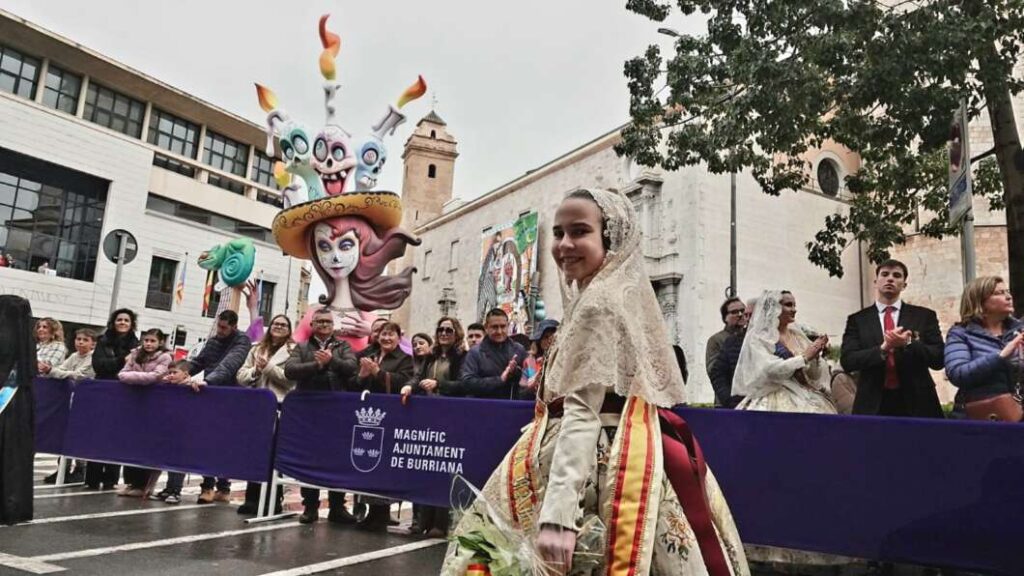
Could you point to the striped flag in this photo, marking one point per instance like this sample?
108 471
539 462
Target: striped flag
259 290
208 291
179 290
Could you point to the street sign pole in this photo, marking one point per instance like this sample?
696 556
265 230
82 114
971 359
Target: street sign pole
967 245
960 189
122 247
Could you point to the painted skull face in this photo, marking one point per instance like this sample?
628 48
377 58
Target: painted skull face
333 159
337 254
372 157
295 147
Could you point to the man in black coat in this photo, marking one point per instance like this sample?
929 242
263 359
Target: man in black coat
322 363
492 369
892 345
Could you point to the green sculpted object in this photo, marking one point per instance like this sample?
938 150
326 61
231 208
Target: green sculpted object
233 261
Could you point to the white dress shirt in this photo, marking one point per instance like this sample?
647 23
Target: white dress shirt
898 305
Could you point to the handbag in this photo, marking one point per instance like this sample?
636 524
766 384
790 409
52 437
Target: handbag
1002 408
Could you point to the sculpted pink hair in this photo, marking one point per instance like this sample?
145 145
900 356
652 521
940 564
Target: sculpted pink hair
370 290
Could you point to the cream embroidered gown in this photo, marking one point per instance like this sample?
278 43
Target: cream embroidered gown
565 467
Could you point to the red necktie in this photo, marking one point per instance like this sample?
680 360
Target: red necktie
892 380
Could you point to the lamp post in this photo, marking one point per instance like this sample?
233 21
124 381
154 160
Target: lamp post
731 291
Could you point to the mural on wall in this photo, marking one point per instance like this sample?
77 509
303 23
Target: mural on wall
508 270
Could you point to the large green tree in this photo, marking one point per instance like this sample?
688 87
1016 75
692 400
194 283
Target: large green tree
766 80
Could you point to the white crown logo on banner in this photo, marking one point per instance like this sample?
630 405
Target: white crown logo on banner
370 416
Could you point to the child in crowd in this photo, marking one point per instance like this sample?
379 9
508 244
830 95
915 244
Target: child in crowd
76 367
177 374
145 365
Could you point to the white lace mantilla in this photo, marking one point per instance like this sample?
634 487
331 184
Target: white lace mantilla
613 332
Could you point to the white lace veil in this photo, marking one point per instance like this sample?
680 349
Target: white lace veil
613 333
759 344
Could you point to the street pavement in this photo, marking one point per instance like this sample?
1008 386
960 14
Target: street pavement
80 531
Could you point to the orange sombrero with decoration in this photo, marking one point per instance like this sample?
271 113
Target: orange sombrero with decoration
328 173
381 209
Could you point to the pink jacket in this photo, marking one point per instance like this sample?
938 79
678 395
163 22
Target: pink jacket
149 373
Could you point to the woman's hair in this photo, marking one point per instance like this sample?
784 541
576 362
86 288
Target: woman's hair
267 342
606 241
423 336
460 336
141 357
972 303
56 328
391 327
370 289
118 312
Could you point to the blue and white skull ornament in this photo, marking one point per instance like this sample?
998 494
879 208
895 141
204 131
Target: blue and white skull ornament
373 154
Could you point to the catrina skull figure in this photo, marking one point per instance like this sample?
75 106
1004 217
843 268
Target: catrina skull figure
372 153
334 159
296 148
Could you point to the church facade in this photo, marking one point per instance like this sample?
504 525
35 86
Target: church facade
686 221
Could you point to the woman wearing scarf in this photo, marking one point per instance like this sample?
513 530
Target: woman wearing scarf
603 450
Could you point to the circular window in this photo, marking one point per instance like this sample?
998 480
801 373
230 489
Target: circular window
828 177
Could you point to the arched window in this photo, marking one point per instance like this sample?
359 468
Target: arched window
431 171
828 177
433 134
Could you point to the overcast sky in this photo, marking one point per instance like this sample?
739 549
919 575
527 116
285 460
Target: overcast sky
519 83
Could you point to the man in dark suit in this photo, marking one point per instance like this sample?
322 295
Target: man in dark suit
892 345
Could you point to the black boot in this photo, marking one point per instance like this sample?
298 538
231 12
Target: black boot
309 515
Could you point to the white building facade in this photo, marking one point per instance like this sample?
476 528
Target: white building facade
88 146
685 217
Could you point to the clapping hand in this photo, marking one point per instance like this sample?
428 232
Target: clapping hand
43 367
816 348
510 368
1014 346
898 337
261 363
252 298
368 367
322 357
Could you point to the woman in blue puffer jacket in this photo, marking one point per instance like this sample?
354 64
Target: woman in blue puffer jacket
983 350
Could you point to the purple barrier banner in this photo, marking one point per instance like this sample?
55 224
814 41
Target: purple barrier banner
939 493
379 446
217 431
53 407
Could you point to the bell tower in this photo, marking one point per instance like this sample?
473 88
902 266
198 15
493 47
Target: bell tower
429 159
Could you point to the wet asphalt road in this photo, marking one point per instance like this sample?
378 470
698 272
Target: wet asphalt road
85 532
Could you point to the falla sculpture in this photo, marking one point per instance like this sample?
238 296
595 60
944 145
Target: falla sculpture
332 215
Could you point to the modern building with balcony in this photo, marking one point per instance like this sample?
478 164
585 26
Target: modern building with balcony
89 145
